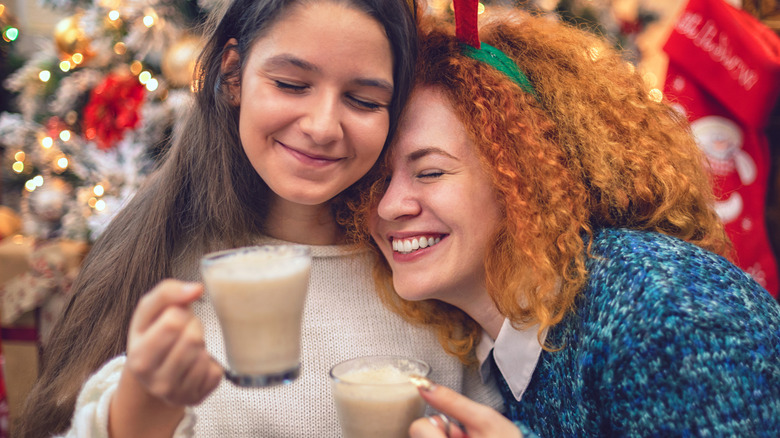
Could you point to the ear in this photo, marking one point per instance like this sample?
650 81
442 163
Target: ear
230 63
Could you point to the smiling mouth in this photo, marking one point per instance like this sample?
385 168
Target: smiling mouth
309 158
410 245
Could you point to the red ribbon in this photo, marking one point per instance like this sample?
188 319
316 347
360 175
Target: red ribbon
466 28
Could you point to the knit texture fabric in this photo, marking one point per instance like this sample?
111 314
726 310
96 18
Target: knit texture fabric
343 318
667 340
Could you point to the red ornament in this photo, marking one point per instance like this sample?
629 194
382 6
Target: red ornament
113 109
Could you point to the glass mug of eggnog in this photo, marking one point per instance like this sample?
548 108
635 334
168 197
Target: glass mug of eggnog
258 294
374 395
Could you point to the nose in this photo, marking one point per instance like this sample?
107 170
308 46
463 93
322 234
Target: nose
399 201
322 119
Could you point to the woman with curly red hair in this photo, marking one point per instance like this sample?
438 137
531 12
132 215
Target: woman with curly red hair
294 103
555 224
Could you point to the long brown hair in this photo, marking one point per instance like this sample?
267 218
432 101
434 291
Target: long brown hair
204 193
594 150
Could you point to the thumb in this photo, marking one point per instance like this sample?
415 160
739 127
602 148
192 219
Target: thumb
167 293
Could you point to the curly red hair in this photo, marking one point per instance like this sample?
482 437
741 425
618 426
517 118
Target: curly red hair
593 151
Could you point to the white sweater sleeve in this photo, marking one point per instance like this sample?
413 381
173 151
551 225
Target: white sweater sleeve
90 418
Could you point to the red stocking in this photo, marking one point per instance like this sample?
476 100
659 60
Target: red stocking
724 73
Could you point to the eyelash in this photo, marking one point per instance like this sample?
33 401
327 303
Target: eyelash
365 105
357 103
284 86
431 174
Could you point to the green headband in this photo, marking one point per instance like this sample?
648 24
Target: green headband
498 60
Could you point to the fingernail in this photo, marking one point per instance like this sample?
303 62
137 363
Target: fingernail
190 288
422 382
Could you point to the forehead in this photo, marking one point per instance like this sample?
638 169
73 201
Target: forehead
328 33
429 121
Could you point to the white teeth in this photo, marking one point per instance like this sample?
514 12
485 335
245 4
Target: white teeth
405 246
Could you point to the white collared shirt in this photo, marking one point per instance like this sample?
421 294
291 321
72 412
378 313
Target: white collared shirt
516 353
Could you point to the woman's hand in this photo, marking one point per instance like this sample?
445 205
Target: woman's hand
167 365
480 421
166 352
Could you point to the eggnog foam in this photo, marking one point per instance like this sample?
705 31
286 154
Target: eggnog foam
379 375
251 266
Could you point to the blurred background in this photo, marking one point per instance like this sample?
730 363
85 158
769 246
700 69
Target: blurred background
90 91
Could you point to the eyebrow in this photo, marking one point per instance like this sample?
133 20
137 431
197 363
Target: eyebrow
286 59
419 153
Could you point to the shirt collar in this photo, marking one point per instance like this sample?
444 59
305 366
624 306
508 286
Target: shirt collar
516 353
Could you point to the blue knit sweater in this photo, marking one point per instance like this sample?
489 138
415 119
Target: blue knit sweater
667 340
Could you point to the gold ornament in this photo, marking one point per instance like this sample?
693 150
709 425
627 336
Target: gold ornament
70 37
179 60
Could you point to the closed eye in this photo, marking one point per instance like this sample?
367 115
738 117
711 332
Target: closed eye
432 174
365 104
290 88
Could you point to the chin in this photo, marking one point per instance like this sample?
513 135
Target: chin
411 292
311 199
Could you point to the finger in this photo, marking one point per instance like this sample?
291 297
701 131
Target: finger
213 376
446 425
190 368
202 378
457 432
210 373
184 355
167 293
425 428
191 388
470 414
146 351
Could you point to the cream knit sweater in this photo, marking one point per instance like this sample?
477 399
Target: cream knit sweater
343 318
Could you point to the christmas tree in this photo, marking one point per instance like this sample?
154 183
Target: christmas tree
95 107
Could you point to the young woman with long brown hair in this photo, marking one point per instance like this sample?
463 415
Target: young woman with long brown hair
294 102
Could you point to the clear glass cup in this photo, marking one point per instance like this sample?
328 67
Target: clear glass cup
258 294
374 396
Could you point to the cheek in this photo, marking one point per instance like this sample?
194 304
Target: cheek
373 227
248 130
370 137
484 223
